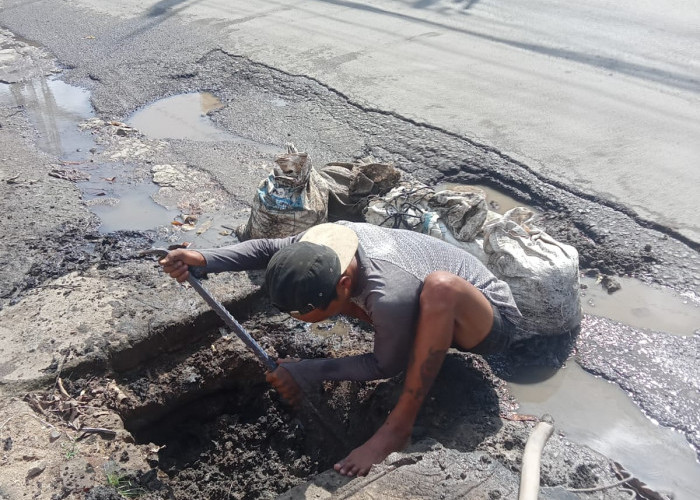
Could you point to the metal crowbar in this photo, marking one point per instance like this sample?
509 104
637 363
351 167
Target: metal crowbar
249 341
221 311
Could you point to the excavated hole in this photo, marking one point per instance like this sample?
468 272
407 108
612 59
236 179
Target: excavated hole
224 433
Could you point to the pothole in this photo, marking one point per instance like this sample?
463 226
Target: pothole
642 306
222 432
496 200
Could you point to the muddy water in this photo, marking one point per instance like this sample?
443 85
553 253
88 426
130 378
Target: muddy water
186 116
181 117
496 201
599 414
55 109
642 306
122 205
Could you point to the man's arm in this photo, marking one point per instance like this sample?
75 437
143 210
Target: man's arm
392 345
394 319
310 372
252 254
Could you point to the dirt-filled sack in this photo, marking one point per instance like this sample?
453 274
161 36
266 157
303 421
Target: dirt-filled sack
454 216
542 273
463 212
291 199
405 207
352 184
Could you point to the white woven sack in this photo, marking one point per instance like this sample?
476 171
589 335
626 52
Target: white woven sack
413 206
405 207
542 273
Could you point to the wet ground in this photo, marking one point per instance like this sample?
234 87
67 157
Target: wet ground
219 431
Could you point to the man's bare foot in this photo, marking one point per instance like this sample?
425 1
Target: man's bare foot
386 440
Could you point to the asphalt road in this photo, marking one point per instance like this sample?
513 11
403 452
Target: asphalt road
600 95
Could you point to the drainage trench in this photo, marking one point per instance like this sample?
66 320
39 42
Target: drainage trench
222 432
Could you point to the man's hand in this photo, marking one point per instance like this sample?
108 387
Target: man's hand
284 383
177 263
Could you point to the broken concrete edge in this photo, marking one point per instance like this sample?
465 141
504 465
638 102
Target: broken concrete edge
122 324
57 449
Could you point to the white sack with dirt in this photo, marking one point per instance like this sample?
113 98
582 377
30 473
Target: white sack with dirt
454 216
291 199
542 273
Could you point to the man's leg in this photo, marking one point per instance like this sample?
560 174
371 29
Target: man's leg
451 310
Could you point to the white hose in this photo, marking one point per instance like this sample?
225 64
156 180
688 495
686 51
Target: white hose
530 473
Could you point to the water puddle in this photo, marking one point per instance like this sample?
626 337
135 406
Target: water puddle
55 109
604 418
497 201
122 205
182 116
186 116
642 306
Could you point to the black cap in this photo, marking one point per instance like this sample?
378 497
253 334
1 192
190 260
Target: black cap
302 277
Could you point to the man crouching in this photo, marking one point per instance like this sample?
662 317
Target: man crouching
420 294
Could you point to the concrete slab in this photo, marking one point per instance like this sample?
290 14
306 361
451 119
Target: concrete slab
425 470
115 317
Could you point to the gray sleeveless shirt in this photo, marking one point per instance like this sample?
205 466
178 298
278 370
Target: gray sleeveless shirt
392 265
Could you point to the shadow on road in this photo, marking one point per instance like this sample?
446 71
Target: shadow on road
668 78
163 7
